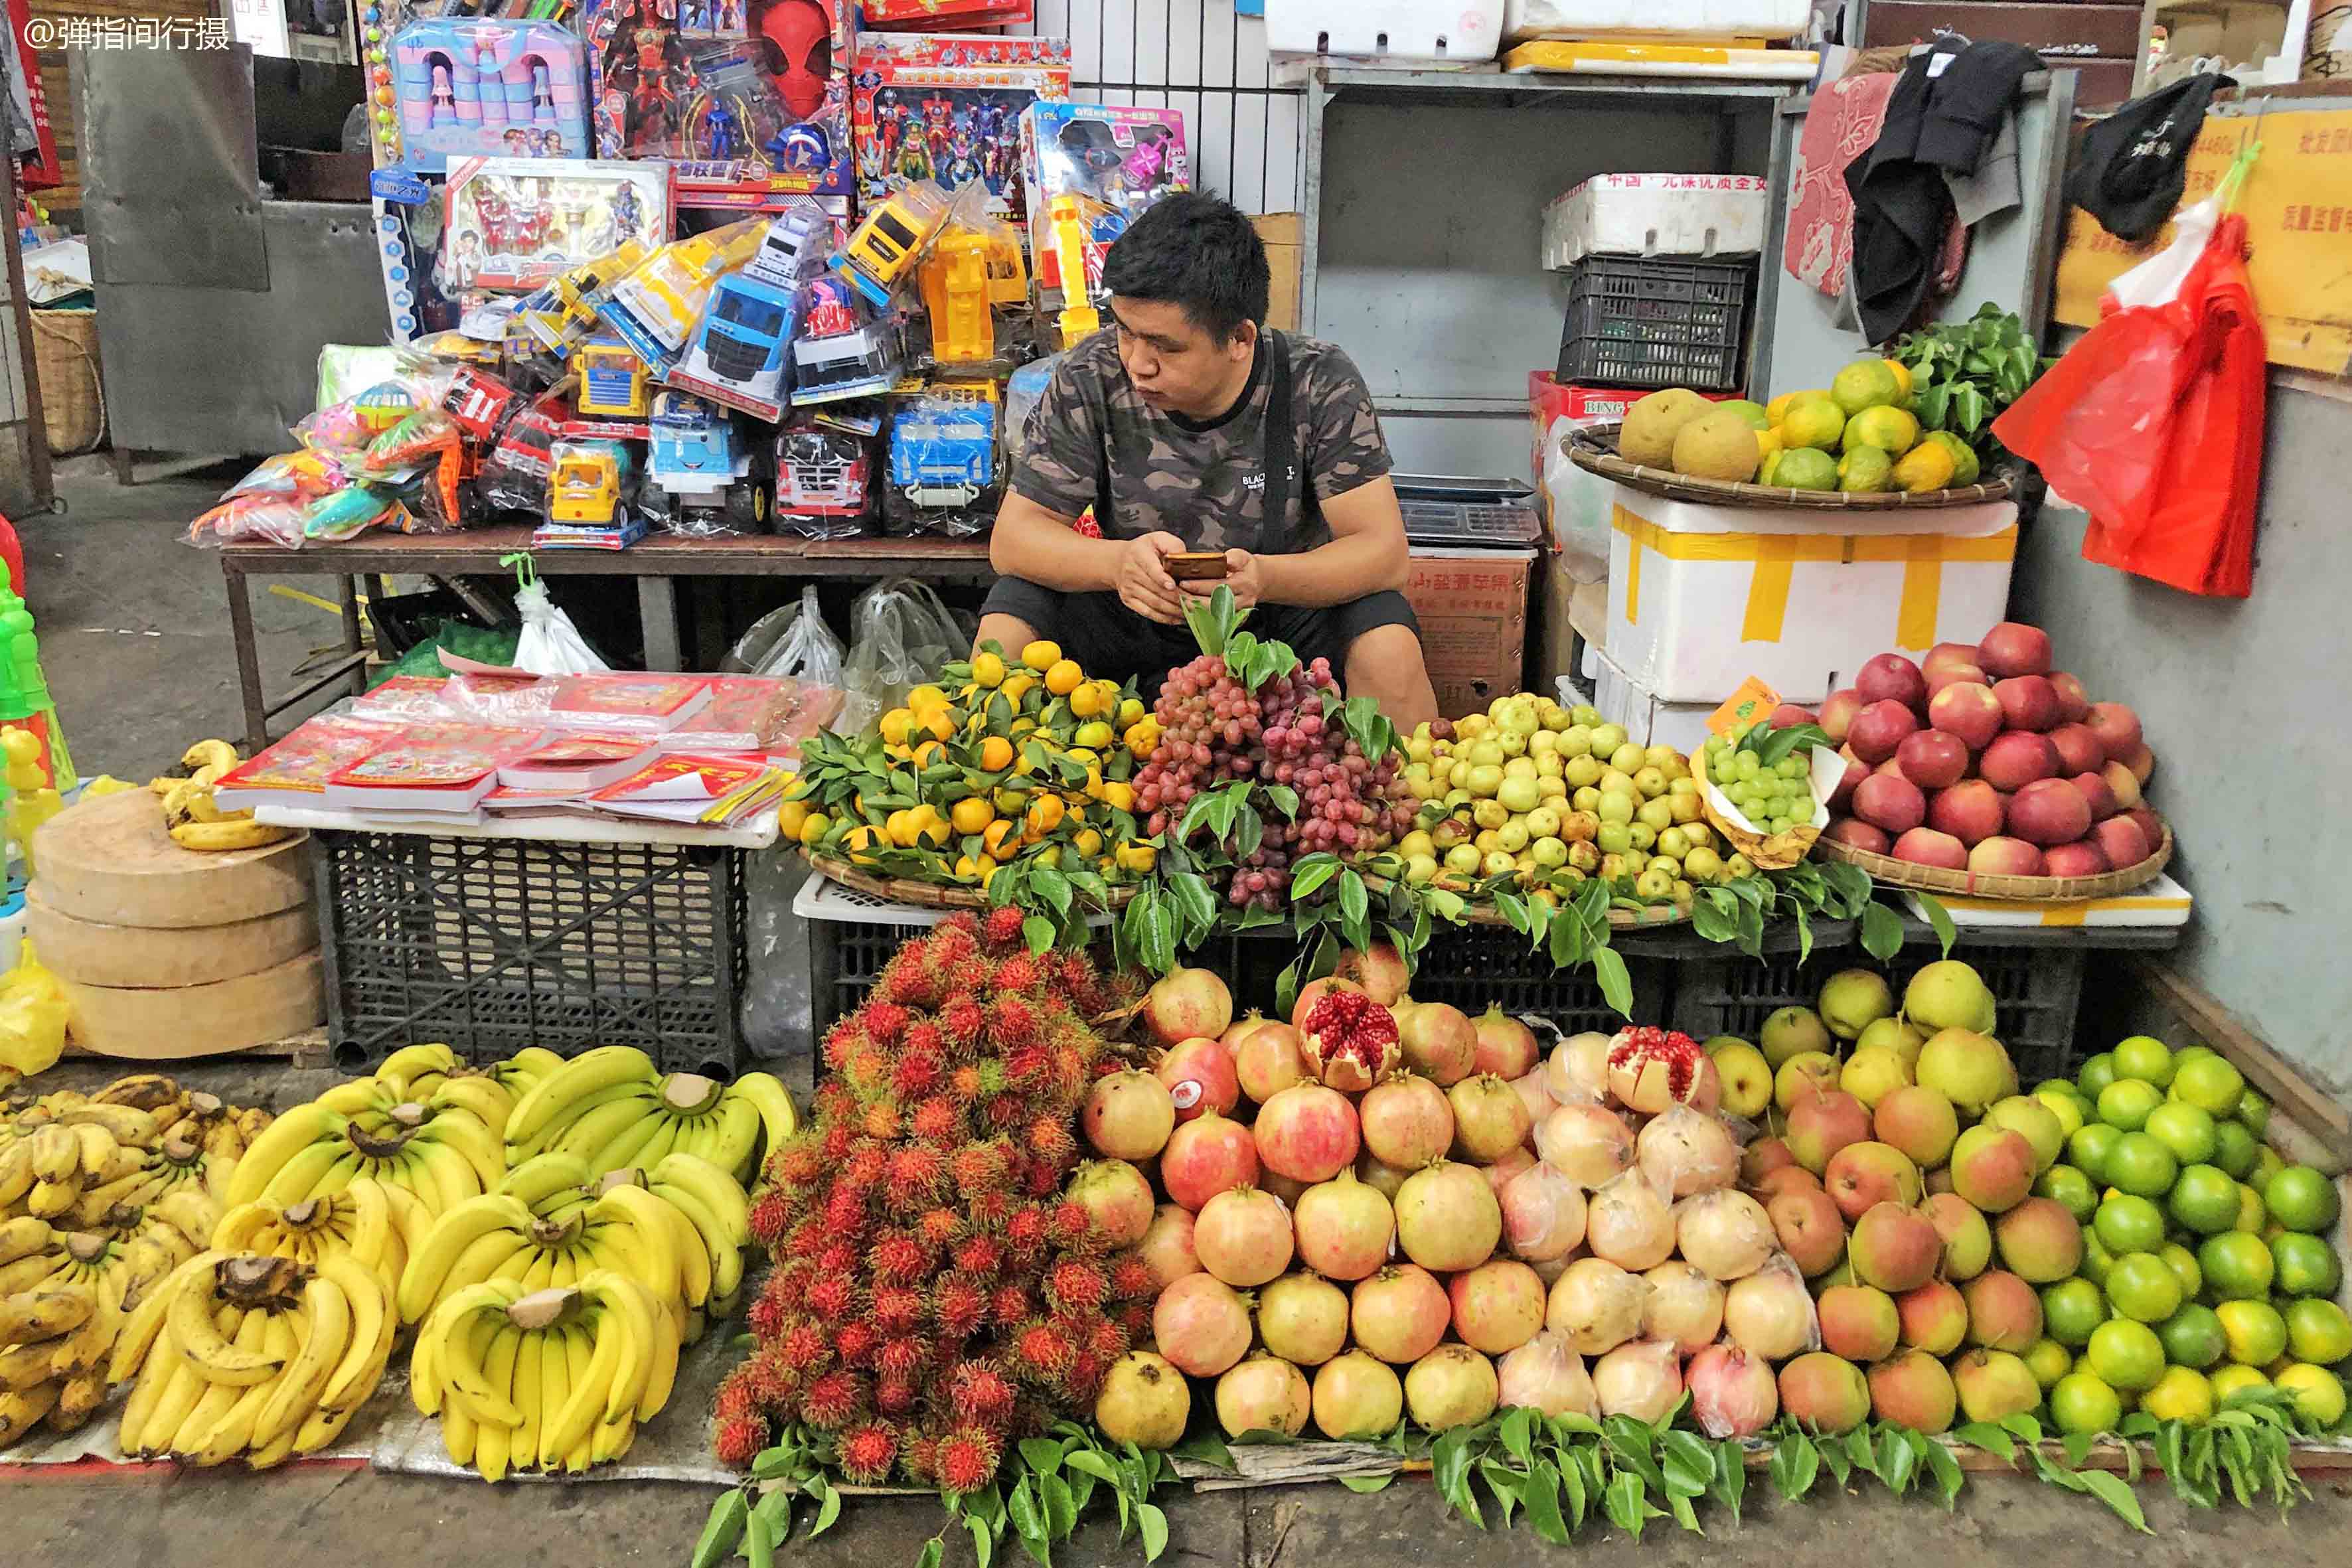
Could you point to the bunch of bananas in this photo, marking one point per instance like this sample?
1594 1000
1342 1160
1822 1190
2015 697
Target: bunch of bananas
611 1108
258 1358
445 1148
192 818
678 1233
63 1296
73 1158
549 1380
377 1225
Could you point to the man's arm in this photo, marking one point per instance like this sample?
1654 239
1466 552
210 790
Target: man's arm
1366 553
1046 548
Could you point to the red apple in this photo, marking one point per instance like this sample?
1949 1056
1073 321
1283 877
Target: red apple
2049 811
2151 826
1789 715
1879 729
1891 677
1837 714
1957 675
2121 840
2028 700
1947 655
2083 859
2073 702
2096 791
1856 769
1970 811
1971 711
2079 751
2141 762
1932 759
1925 846
2118 728
2006 858
1891 802
2013 648
1860 834
2016 758
2123 783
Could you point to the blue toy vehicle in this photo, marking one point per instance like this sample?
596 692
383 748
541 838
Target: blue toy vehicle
697 460
943 451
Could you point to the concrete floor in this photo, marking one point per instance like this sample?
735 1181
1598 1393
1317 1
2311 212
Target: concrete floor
135 642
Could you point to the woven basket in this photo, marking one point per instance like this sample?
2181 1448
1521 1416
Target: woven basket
65 355
1894 873
1594 449
1642 918
924 895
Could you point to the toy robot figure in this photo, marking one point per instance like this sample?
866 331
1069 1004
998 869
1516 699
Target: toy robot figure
963 168
915 160
718 133
939 124
628 212
872 160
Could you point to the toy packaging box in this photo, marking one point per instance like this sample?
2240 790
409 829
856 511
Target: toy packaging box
513 224
1116 161
946 15
488 87
767 94
947 107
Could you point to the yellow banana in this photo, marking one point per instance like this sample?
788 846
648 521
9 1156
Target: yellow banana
579 1354
628 1149
298 1180
23 1366
355 1096
251 1339
16 1171
86 1348
94 1148
732 1143
46 1313
280 1142
29 1270
611 1439
695 1263
126 1124
588 1136
53 1200
211 837
370 1313
78 1397
779 1118
454 1178
461 1129
55 1156
202 1345
372 1238
212 753
494 1445
141 1331
19 1412
530 1364
554 1388
624 1299
726 1255
640 1215
718 1190
542 1176
241 1230
410 1215
571 1428
591 1072
146 1090
484 1096
457 1356
189 1210
234 1429
520 1072
328 1311
182 1388
145 1395
452 1235
411 1062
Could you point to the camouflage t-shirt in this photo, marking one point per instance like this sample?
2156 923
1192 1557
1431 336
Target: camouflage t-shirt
1206 485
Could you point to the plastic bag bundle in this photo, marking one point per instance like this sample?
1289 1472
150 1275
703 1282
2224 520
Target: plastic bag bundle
899 633
794 641
550 644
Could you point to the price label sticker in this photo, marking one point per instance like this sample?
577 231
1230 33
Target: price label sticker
1753 702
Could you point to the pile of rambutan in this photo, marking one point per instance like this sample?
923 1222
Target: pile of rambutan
936 1297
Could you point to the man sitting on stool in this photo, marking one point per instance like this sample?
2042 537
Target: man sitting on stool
1162 427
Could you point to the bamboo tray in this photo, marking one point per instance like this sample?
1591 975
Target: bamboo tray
1894 873
927 895
1481 914
1594 449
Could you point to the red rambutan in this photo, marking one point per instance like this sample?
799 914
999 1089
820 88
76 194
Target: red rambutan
1106 1341
980 1394
1009 1305
736 1398
1131 1279
980 1255
1042 1354
840 1133
1075 1287
884 1022
953 941
958 1306
1004 1112
771 1383
964 1023
1027 1230
907 983
1012 1022
938 1120
844 1213
906 1357
799 1163
966 1459
880 1119
896 1396
868 1452
771 1216
1017 973
856 1343
737 1440
917 1173
898 1258
805 1350
896 1309
1027 1066
989 1211
864 1169
918 1456
770 1312
1078 984
1083 1376
1041 1178
833 1401
1069 1227
1070 1076
840 1041
833 1298
1003 927
917 1072
939 1228
1136 1318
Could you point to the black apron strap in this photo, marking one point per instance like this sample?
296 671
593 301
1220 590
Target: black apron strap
1102 473
1281 445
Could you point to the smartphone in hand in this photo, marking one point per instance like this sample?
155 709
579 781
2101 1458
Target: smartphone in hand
1196 565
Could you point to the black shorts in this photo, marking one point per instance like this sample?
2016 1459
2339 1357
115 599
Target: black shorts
1109 639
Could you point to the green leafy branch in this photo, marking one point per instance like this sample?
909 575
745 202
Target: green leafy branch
2249 1447
750 1521
1573 929
1331 906
1963 374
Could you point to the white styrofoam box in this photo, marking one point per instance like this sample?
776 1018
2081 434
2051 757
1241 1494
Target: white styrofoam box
1434 32
1701 598
1524 20
1648 718
2161 901
1656 215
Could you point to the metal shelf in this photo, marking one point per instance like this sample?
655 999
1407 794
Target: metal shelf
1521 89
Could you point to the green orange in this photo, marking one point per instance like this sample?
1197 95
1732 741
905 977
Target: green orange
2257 1333
2126 1223
2204 1199
2193 1337
2143 1287
2140 1164
2238 1266
2084 1402
2307 1266
2127 1103
2126 1355
2206 1082
2301 1198
2095 1075
2087 1149
2145 1058
2071 1308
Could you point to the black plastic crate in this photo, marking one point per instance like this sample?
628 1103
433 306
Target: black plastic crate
1650 323
2038 991
845 961
492 944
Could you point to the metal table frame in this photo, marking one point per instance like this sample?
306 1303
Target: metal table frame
656 564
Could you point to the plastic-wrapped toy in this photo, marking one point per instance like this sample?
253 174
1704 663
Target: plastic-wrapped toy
1079 319
570 313
845 349
612 380
824 478
742 349
893 239
517 223
654 310
587 483
1117 160
949 109
703 471
478 401
944 448
968 270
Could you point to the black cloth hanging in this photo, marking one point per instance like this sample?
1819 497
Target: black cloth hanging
2130 168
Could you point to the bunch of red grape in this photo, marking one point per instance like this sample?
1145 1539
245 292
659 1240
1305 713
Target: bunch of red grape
1213 730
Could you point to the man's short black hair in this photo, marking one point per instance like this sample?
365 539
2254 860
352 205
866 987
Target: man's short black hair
1199 252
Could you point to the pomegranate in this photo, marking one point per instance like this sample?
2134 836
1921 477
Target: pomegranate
1356 1396
1126 1115
1578 1072
1387 1180
1490 1119
1263 1393
1307 1132
1447 1217
1627 1222
1547 1374
1508 1169
1727 1234
1313 992
1201 1325
1242 1236
1303 1319
1345 1228
1685 1306
1199 1076
1206 1157
1144 1401
1183 1003
1399 1314
1498 1306
1167 1245
1408 1122
1281 1186
1379 969
1651 1068
1597 1305
1116 1197
1588 1143
1507 1047
1770 1314
1451 1386
1733 1394
1641 1379
1350 1041
1241 1029
1438 1041
1268 1061
1543 1214
1535 1094
1687 1152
